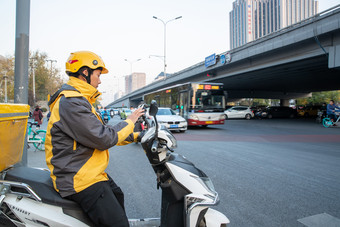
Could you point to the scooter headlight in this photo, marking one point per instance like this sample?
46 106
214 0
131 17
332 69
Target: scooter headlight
192 201
210 199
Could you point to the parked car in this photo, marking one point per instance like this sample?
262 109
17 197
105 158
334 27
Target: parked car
172 121
280 112
239 112
309 111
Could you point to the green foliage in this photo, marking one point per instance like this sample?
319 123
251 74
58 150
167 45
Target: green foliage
47 79
320 97
7 68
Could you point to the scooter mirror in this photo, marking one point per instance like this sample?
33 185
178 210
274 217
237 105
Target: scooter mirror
153 108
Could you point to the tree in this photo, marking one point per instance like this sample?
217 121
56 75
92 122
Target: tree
320 97
47 81
7 68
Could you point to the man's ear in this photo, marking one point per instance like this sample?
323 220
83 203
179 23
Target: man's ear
86 72
82 78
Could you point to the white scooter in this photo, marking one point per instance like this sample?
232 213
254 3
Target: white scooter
27 197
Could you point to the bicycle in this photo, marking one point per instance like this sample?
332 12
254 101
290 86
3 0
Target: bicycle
327 122
37 137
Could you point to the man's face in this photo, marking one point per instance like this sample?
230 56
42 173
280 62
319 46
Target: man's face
95 78
331 102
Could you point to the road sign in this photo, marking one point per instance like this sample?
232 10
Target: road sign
222 59
210 60
228 57
225 58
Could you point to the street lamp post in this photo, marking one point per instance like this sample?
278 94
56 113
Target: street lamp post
33 79
50 60
5 77
131 62
165 23
51 64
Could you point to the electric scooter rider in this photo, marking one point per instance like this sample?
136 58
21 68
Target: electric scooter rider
77 143
331 109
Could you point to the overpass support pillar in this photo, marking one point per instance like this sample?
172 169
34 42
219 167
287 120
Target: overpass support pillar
284 102
334 57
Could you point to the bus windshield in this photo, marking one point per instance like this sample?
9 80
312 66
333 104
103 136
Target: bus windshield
208 99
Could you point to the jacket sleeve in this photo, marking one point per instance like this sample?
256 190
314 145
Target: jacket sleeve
80 123
329 108
338 109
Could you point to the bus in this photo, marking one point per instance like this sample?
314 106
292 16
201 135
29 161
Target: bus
199 103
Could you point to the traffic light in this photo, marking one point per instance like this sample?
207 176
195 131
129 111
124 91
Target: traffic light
211 74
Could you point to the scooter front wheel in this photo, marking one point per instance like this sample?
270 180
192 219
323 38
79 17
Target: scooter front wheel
327 122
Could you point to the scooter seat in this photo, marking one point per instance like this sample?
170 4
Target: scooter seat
41 183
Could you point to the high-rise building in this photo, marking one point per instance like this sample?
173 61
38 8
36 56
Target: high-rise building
253 19
118 95
134 82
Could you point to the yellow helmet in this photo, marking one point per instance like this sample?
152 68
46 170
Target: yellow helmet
84 58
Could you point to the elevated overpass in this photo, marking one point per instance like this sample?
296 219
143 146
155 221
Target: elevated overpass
289 63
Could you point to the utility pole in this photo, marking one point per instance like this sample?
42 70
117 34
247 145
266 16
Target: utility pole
21 51
21 59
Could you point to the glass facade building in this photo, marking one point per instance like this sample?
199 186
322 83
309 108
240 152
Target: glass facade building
253 19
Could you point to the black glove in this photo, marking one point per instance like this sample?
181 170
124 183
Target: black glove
140 136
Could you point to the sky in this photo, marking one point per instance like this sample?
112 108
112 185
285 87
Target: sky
118 30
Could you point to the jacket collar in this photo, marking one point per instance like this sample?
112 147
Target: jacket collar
87 90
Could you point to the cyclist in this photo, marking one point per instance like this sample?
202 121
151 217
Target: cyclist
77 143
331 109
38 115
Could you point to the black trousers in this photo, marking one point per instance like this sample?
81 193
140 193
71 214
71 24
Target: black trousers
104 204
333 117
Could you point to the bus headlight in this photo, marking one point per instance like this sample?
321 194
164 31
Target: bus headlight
193 117
222 117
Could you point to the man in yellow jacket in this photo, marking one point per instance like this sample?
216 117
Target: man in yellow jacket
77 143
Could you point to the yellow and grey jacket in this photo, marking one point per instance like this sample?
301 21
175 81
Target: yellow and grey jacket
77 141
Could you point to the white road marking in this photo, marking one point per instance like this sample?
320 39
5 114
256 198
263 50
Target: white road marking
320 220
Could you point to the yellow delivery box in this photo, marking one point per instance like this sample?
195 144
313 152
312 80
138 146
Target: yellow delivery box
13 124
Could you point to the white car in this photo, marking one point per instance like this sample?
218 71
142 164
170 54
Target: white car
239 112
172 121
